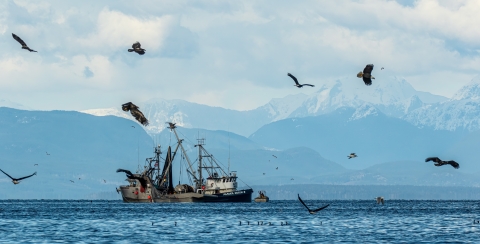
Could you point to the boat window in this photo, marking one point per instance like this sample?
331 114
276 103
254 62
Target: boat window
223 180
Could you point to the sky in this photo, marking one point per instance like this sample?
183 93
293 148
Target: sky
231 54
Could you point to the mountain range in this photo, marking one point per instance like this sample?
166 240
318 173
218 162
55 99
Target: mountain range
393 96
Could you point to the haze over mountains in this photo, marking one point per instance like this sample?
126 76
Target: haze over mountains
390 125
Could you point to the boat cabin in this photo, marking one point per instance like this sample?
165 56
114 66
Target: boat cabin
216 184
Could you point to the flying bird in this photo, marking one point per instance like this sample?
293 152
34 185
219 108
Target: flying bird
17 180
137 47
352 155
72 181
104 181
380 200
135 112
277 168
129 174
263 173
24 45
47 153
274 156
439 162
296 82
382 68
291 179
133 126
367 74
35 165
309 210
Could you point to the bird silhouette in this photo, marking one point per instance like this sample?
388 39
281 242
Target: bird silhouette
296 82
439 162
137 47
35 165
72 181
274 156
352 155
309 210
17 180
24 45
47 153
277 168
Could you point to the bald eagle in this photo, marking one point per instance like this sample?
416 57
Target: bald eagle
367 74
24 45
135 112
296 82
17 180
439 162
129 175
137 48
310 210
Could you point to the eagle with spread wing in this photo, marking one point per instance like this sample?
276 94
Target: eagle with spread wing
296 82
137 47
439 162
311 211
24 45
367 74
129 175
17 180
135 112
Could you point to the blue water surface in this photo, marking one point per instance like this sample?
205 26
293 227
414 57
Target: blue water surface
60 221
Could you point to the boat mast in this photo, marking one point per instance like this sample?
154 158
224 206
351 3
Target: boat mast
200 143
191 171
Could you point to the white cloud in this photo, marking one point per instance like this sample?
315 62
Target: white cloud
230 54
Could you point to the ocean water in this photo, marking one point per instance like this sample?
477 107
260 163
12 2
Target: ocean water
58 221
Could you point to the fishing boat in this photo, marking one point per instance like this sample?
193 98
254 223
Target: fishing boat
262 197
219 185
155 185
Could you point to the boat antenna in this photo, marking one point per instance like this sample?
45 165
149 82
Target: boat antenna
228 152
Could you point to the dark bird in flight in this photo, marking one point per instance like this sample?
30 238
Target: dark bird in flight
133 126
79 178
380 200
277 168
367 74
274 156
382 68
309 210
137 47
135 112
17 180
263 173
439 162
24 45
72 181
35 165
104 181
352 155
291 179
129 174
296 82
47 153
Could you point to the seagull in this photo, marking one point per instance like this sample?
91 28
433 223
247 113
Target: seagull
352 155
47 153
439 162
17 180
24 45
35 165
104 181
296 82
274 156
291 179
367 74
309 210
137 48
382 68
133 126
72 181
277 168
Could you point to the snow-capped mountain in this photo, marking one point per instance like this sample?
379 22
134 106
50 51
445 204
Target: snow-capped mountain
10 104
394 97
461 112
